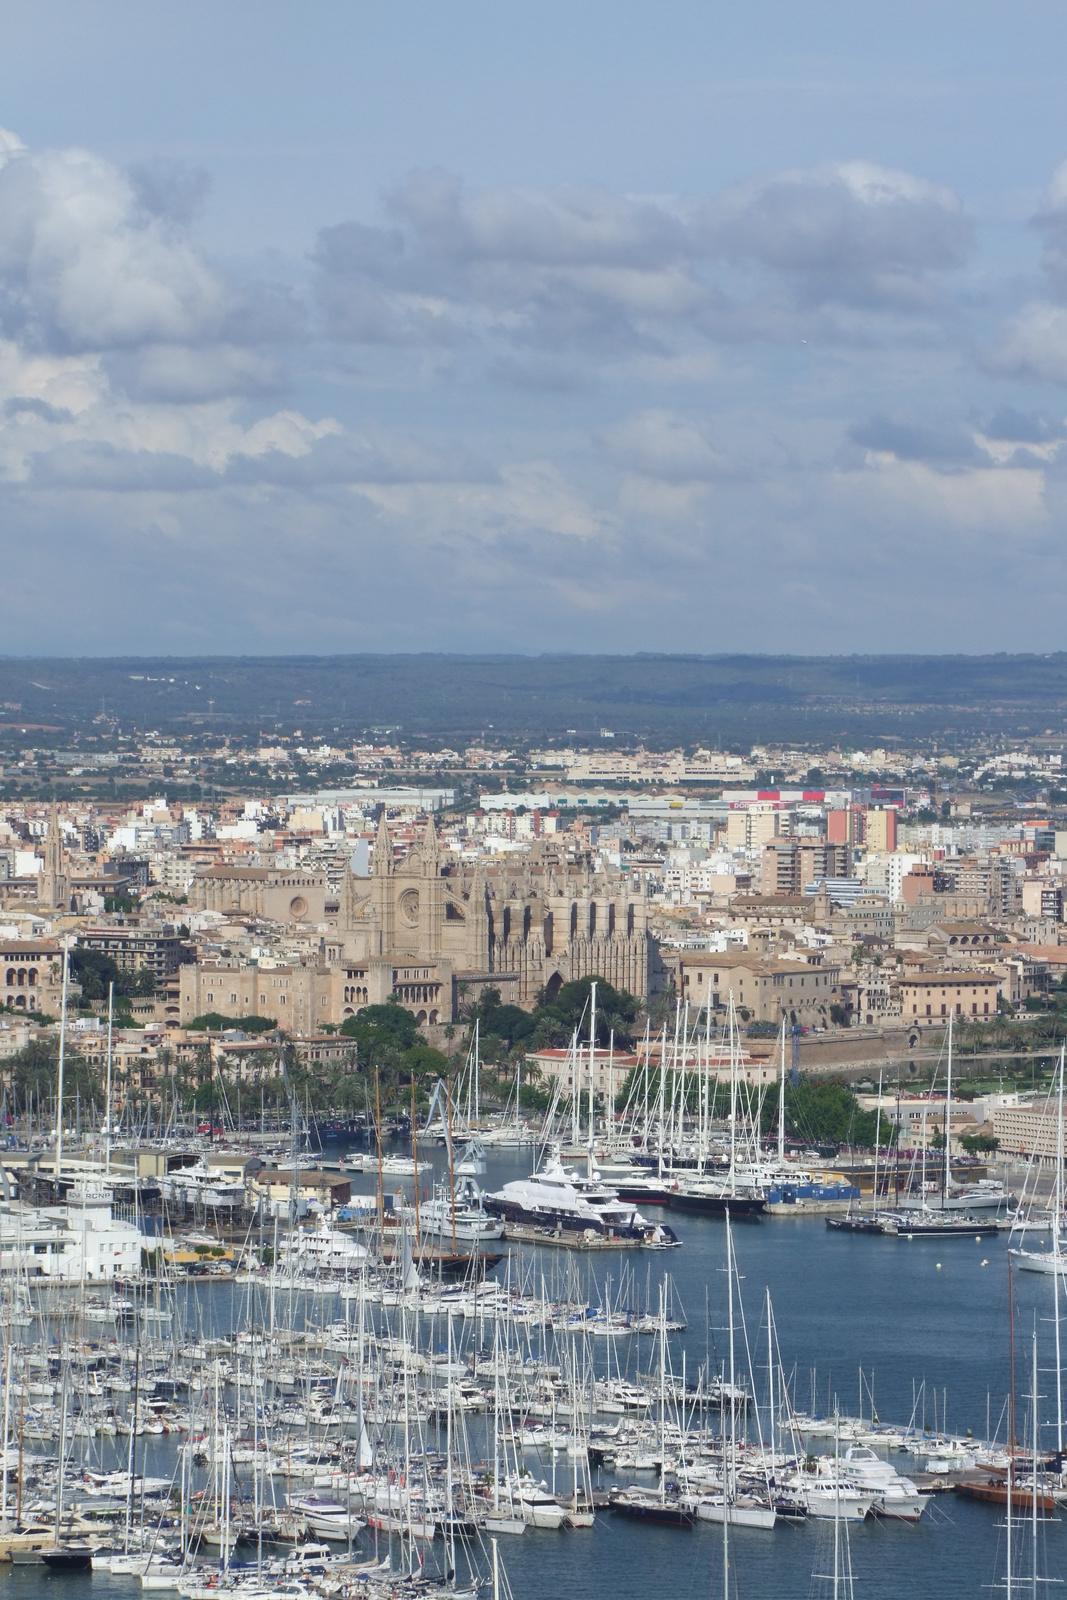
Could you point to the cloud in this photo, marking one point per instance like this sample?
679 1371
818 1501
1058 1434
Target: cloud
343 458
922 503
184 374
1033 344
20 405
94 259
940 447
1022 438
101 466
850 233
169 189
82 267
527 416
661 444
530 499
585 269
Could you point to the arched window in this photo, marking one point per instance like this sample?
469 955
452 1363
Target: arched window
33 977
11 977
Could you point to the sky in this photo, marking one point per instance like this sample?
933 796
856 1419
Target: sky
477 326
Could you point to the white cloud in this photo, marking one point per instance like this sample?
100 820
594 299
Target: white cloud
591 269
530 497
662 444
83 268
911 495
1034 343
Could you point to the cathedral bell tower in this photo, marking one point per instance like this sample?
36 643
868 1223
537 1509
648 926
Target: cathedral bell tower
53 881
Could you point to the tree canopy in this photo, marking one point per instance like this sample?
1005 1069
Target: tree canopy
95 970
217 1023
35 1070
822 1111
553 1020
389 1027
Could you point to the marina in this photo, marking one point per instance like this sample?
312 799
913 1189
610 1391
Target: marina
360 1371
385 1409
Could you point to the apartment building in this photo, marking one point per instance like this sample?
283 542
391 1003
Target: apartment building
789 865
935 996
135 946
1029 1129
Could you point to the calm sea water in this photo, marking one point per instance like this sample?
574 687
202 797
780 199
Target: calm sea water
921 1319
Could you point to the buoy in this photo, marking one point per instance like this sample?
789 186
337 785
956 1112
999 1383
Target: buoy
985 1263
939 1266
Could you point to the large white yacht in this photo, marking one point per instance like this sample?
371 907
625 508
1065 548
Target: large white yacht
461 1216
558 1199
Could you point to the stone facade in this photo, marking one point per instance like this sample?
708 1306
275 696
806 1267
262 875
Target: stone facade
433 930
31 976
290 897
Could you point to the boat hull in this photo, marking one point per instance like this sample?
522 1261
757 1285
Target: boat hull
718 1204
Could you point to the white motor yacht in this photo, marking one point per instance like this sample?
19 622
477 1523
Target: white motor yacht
461 1216
558 1199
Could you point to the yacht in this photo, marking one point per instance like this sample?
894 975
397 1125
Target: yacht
895 1496
324 1249
718 1194
988 1195
557 1199
463 1216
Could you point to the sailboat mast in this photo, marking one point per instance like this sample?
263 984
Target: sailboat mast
1033 1497
592 1068
877 1139
107 1091
1057 1224
59 1074
781 1097
946 1178
725 1474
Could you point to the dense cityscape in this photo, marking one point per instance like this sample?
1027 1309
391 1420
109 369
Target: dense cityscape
533 800
318 1026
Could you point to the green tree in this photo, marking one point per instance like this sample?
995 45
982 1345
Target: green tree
557 1018
35 1070
823 1111
979 1144
94 970
389 1026
217 1023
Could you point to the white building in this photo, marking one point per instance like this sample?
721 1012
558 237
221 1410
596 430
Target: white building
80 1242
885 874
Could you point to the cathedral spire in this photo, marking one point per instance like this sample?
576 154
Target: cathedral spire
53 882
383 851
430 855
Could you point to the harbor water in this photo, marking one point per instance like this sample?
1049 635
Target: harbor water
916 1331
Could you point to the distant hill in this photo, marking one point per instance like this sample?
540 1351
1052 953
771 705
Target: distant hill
716 700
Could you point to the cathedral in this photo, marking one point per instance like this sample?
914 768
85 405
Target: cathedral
435 931
53 881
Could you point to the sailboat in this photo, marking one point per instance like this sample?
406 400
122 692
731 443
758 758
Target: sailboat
1053 1260
840 1576
645 1505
